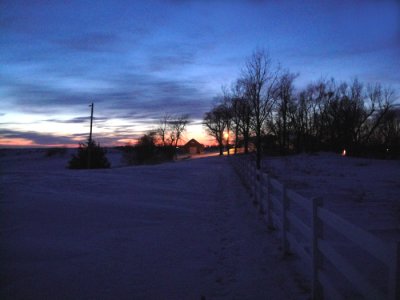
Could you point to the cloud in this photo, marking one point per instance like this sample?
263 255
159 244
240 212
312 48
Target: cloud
36 138
90 42
166 62
343 51
40 98
78 120
127 92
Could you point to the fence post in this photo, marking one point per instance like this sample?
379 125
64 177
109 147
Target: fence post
285 225
317 233
394 275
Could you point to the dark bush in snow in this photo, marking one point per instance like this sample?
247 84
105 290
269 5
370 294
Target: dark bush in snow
128 154
166 153
147 152
145 149
90 156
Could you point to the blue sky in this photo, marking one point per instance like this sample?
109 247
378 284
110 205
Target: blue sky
138 60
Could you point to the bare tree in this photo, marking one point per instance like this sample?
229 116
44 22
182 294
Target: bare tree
302 119
342 116
388 133
227 114
163 128
170 129
178 126
324 116
261 83
214 123
284 107
235 104
241 112
381 100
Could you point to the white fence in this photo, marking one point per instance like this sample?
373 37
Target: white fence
306 238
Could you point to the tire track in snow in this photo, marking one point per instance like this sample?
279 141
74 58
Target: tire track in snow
248 261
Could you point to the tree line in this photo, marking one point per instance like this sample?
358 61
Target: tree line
160 144
155 146
263 107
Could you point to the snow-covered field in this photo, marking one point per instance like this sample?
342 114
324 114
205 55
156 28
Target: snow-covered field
182 230
366 192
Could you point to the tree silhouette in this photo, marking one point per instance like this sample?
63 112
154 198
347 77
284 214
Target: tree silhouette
89 156
214 123
264 107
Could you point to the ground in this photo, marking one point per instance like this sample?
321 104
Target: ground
363 191
182 230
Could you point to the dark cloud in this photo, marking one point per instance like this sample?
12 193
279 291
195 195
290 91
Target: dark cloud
128 92
132 95
45 99
49 139
35 137
91 42
166 62
78 120
345 51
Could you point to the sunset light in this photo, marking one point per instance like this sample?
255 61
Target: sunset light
138 61
188 149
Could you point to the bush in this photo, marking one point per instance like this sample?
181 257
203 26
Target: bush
98 159
146 152
166 153
145 149
128 154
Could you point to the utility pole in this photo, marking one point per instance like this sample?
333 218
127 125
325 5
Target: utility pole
90 137
91 122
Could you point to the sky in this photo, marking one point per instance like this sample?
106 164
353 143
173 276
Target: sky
140 60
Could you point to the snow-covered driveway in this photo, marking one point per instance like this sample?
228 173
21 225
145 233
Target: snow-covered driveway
182 230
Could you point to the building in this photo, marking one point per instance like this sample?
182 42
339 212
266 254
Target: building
193 147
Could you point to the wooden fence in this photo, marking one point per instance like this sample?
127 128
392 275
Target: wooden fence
306 239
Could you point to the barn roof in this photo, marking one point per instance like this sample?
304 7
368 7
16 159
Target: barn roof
193 142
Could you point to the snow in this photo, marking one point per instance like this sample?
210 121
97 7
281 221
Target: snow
178 230
366 192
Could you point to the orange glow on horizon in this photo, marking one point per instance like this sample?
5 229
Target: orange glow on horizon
193 132
21 142
17 142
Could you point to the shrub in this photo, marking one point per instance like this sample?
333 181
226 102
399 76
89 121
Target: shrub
145 149
146 152
98 159
166 153
128 154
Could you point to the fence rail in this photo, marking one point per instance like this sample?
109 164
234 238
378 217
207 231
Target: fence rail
306 237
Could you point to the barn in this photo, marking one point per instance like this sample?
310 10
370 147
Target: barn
193 147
